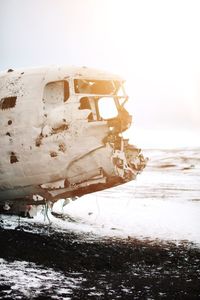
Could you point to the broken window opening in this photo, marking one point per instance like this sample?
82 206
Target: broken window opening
56 92
87 103
84 103
102 108
107 108
90 117
98 87
66 90
8 102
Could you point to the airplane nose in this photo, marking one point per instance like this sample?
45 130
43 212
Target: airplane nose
128 161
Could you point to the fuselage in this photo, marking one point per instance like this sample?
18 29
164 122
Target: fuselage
61 133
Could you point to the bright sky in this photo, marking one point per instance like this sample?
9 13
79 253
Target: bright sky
155 45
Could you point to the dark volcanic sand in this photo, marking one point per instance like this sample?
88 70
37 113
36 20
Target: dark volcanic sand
111 268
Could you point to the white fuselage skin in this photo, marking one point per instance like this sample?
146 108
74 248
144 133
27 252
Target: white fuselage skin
48 145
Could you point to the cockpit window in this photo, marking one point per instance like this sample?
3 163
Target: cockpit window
84 103
97 87
56 92
107 108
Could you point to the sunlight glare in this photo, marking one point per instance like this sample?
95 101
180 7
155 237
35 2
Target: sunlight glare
107 108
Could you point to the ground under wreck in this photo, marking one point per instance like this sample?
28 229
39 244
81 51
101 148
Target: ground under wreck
106 268
67 261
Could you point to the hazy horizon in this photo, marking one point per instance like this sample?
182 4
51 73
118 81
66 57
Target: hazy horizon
153 44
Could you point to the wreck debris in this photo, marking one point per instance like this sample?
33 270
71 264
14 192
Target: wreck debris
68 133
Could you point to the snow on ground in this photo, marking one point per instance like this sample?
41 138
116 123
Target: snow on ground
122 214
42 281
163 203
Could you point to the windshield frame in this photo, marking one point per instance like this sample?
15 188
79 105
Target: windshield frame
87 92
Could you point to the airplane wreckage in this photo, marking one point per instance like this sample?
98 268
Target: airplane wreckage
61 135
